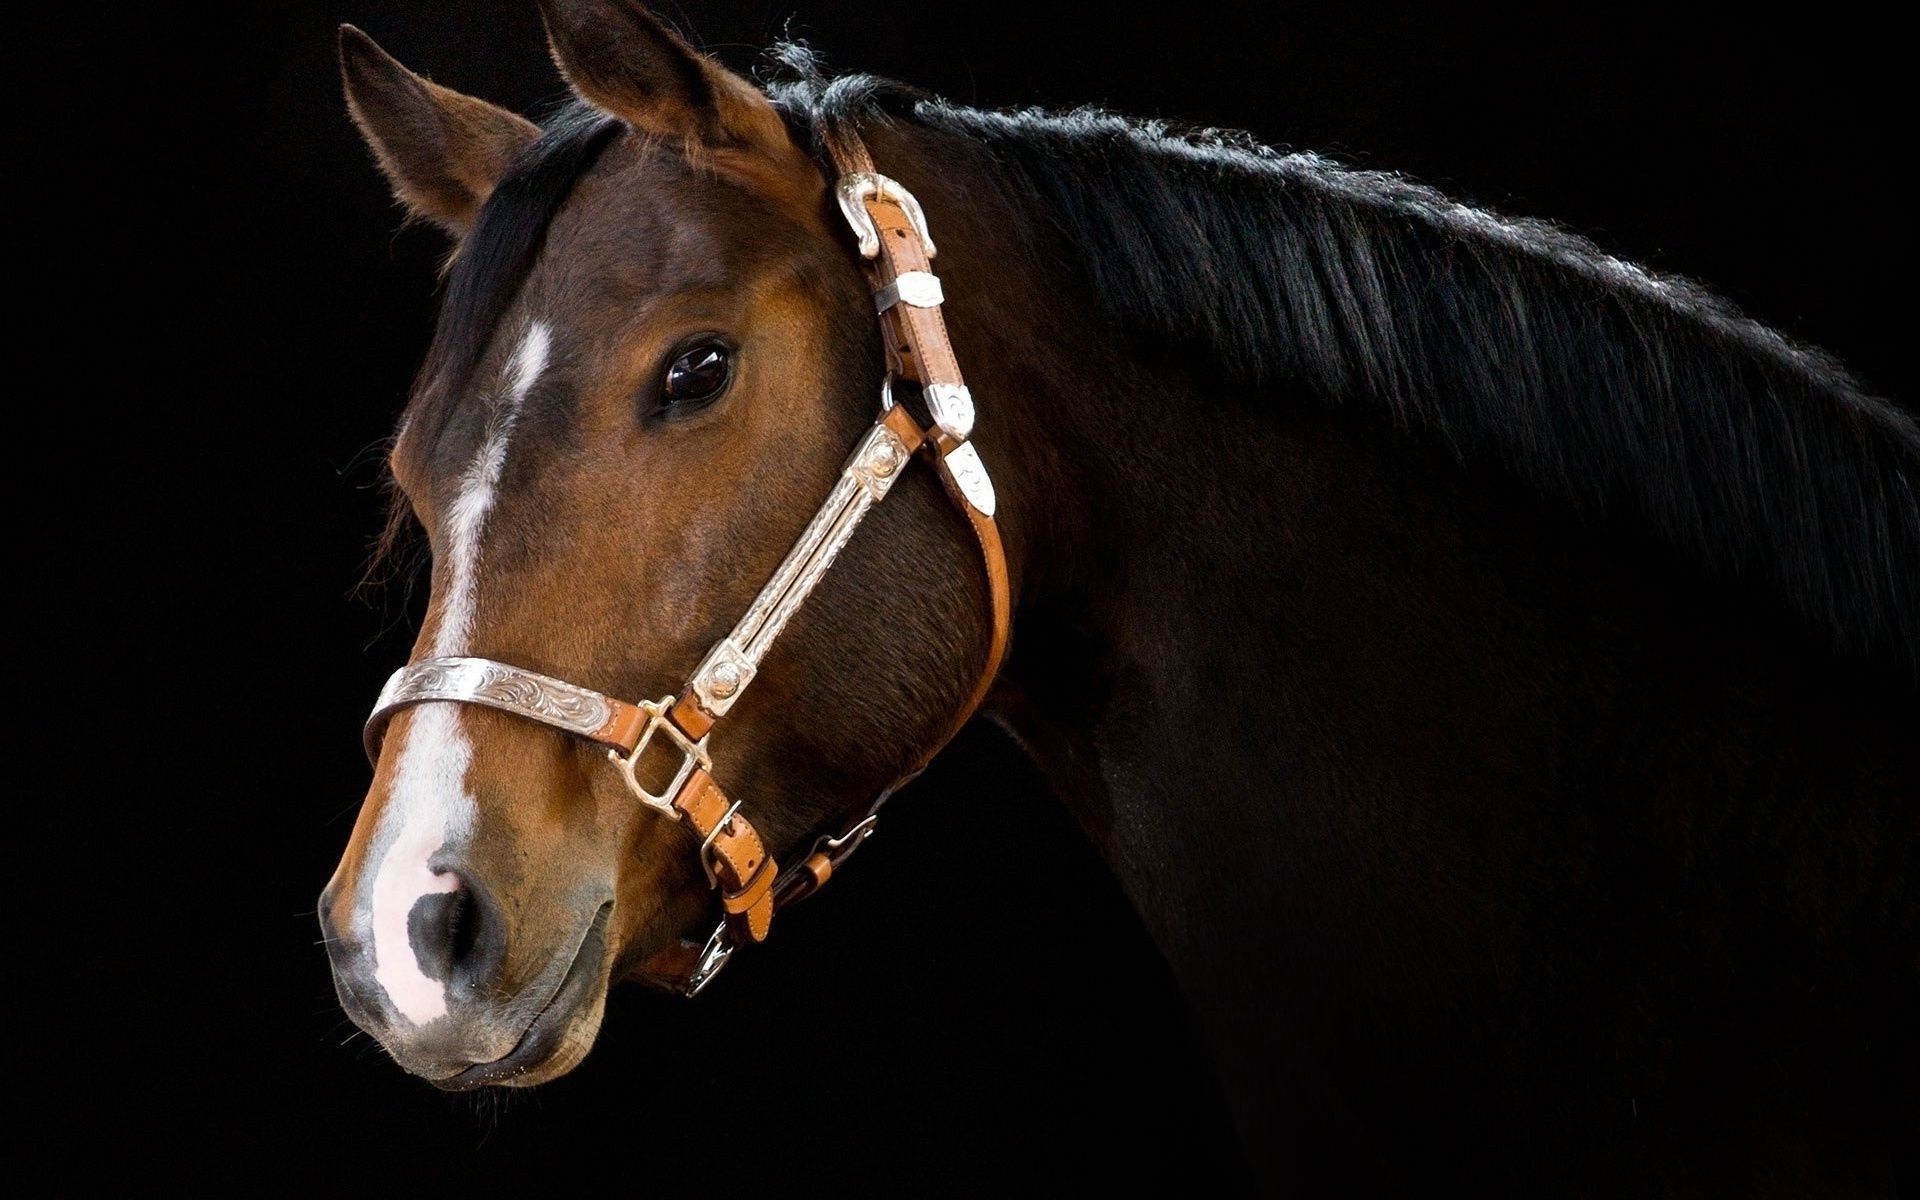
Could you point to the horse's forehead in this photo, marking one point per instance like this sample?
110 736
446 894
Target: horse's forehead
645 222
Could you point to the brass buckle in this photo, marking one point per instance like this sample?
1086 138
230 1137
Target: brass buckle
692 754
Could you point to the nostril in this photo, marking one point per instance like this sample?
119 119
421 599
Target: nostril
453 934
463 925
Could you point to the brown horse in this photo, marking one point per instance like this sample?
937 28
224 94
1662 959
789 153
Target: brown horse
1447 633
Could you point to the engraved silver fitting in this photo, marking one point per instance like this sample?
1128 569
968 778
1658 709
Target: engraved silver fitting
951 407
854 189
876 462
883 457
465 680
726 679
971 474
721 676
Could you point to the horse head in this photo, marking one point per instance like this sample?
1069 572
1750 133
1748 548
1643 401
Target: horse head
655 350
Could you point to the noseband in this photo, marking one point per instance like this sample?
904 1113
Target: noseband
667 739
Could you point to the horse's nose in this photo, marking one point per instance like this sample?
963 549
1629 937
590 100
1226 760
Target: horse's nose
416 955
459 936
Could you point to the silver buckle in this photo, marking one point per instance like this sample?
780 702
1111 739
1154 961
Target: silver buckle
856 186
713 956
706 844
692 754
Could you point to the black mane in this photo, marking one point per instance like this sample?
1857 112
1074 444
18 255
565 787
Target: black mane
1595 381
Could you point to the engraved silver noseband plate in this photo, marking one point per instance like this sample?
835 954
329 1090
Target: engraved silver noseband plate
526 694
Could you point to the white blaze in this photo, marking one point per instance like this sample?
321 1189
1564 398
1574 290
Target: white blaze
428 803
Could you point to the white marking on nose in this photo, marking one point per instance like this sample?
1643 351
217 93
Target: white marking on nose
428 804
429 801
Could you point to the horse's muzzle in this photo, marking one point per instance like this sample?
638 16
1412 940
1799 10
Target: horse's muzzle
481 1029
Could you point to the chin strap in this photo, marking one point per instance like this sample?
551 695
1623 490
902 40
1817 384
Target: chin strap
660 746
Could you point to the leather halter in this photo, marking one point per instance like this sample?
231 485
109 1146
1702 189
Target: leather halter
668 738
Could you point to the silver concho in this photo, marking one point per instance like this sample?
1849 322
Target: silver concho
526 694
921 289
722 676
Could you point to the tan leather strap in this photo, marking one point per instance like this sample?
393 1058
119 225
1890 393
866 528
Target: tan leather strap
690 717
1000 603
733 854
993 557
917 342
845 147
623 728
918 349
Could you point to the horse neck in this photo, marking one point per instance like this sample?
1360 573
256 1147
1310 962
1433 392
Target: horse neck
1285 661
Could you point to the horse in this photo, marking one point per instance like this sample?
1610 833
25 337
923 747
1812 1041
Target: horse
1488 667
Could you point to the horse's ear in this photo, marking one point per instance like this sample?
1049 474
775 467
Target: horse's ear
442 151
622 60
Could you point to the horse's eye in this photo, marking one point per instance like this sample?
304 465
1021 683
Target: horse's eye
699 374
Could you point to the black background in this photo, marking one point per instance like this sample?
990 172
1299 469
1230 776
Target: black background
223 324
